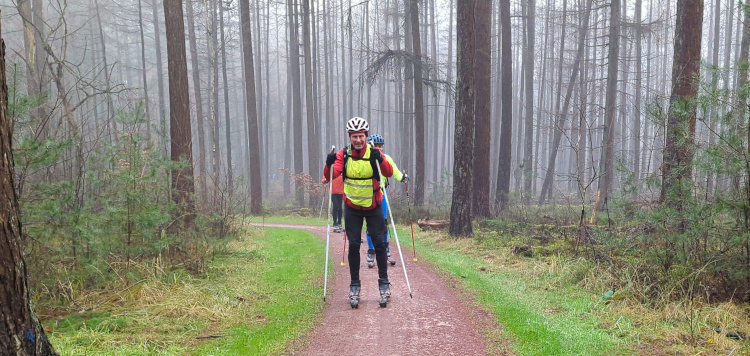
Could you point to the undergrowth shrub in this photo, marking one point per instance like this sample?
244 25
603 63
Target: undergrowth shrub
85 232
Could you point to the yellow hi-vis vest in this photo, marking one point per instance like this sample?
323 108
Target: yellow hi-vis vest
358 178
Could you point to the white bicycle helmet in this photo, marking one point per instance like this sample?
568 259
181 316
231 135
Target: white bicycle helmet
357 124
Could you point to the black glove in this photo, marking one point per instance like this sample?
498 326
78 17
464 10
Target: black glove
376 155
405 178
330 159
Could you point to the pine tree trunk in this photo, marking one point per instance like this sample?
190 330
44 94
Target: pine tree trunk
680 134
482 114
296 97
201 166
419 177
179 110
21 333
256 188
460 216
528 61
606 162
506 90
312 134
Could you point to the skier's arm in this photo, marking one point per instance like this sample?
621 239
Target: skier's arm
326 174
396 172
338 165
385 167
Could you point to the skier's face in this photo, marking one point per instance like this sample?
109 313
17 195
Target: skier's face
358 140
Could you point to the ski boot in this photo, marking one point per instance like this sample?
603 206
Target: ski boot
385 292
354 296
370 258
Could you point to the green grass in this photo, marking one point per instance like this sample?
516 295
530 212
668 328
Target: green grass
290 220
257 300
540 316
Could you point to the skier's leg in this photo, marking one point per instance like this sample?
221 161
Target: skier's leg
354 220
376 226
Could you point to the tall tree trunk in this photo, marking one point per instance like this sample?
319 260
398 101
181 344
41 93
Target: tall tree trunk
227 125
528 61
21 333
312 134
636 142
144 71
215 144
680 135
160 77
445 157
482 109
506 126
256 188
296 97
712 117
408 97
419 177
460 217
179 110
606 162
202 171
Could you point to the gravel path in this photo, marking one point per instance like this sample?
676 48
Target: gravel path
433 322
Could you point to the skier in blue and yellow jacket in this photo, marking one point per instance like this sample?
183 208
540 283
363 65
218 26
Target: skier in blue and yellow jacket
379 141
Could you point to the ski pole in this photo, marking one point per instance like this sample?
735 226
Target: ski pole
328 227
322 201
344 252
395 233
411 223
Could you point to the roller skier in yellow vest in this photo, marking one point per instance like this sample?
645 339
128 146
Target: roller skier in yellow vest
359 163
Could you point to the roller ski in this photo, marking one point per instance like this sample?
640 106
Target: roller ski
385 293
354 296
370 258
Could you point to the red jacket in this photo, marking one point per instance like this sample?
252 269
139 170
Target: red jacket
338 168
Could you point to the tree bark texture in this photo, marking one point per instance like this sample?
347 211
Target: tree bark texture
296 96
506 110
179 109
482 107
419 177
528 58
256 189
202 171
21 333
606 162
680 134
460 216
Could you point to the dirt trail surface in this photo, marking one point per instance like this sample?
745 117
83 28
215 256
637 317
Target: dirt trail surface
433 322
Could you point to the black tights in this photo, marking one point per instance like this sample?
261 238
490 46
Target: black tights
376 226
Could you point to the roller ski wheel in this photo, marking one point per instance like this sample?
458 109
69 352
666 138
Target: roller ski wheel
354 296
370 258
385 293
392 262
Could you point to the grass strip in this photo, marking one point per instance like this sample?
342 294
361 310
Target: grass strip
257 299
542 320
